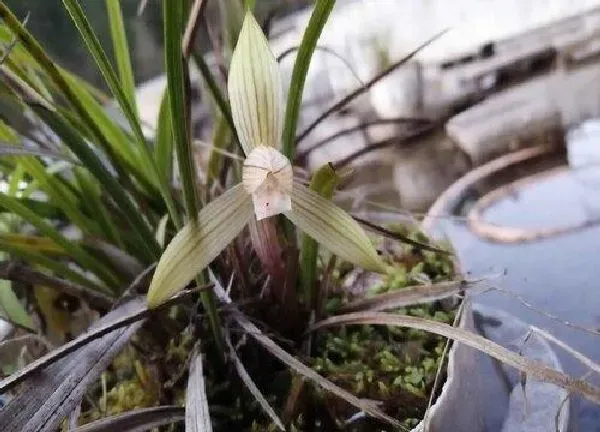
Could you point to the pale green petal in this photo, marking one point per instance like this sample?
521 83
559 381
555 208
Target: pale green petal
195 246
255 89
333 228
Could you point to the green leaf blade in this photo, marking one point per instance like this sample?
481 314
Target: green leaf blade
173 15
121 49
78 253
312 33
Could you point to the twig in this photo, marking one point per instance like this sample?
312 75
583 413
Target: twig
398 236
192 27
365 125
325 50
140 281
584 360
353 95
18 272
548 315
412 136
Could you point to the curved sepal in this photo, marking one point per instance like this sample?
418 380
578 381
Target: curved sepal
254 88
333 228
196 245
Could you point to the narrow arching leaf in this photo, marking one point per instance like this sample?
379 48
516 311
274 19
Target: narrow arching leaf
251 386
533 368
254 86
57 387
112 80
95 48
307 47
121 49
55 267
213 88
196 245
333 228
78 253
120 141
11 150
87 156
137 420
33 243
35 51
163 150
307 372
173 15
197 417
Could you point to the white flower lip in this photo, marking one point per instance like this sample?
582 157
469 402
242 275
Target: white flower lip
267 175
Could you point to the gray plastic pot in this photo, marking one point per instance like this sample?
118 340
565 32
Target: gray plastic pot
483 395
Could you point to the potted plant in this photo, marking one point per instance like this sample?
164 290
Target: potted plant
234 304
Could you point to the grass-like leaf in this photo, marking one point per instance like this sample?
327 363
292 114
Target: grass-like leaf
44 261
173 15
95 48
197 417
312 33
163 152
137 420
530 367
119 140
54 73
74 141
33 243
121 50
251 386
112 80
79 254
296 365
178 86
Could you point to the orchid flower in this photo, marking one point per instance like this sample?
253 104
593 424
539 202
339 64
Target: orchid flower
268 187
